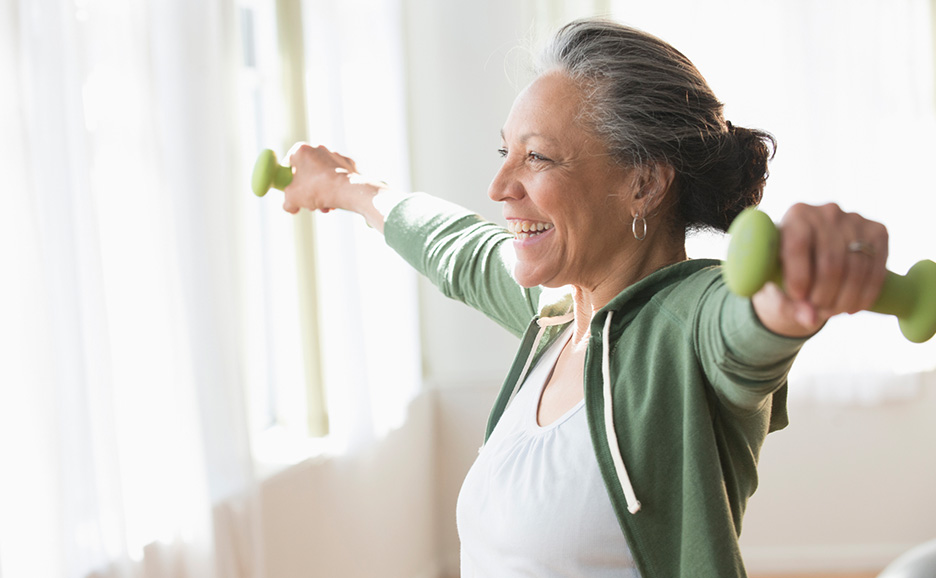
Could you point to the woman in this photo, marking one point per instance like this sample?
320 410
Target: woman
626 436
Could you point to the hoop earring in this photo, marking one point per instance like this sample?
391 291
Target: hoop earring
642 227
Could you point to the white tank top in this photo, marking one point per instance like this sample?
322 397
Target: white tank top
534 504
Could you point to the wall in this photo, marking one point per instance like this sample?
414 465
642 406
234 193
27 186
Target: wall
460 94
462 86
845 487
370 514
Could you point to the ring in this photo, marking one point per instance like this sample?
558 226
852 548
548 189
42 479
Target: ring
861 247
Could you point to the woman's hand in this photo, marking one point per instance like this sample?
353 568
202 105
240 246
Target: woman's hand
833 262
322 180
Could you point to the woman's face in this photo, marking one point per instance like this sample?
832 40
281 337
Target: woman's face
566 202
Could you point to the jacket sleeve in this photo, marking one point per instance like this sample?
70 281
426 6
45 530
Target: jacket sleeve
746 363
466 257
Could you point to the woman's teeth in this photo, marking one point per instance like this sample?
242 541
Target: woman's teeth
526 229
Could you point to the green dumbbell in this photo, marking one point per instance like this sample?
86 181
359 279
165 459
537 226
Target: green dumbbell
268 173
753 260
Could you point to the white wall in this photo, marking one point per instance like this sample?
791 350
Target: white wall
845 487
462 86
360 516
460 95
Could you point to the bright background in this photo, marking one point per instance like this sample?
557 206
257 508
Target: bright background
173 348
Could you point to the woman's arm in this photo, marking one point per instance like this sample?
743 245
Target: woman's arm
461 253
747 346
465 256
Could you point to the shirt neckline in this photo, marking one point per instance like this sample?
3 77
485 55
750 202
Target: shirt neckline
552 356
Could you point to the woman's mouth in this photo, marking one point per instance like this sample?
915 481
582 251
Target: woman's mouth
525 229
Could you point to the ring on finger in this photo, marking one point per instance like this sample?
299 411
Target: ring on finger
861 247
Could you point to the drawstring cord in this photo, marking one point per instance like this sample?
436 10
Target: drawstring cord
633 504
543 323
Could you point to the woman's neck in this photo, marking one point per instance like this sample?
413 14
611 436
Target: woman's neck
588 300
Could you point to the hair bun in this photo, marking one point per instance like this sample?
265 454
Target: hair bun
731 179
755 148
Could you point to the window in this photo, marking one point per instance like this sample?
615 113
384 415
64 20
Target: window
311 275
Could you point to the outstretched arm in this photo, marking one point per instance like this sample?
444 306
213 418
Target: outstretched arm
833 262
463 255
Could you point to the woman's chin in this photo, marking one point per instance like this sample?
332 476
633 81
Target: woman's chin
529 278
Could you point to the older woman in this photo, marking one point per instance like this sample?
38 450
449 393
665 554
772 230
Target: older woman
626 436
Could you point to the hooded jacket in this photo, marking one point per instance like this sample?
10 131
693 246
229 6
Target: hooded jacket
682 383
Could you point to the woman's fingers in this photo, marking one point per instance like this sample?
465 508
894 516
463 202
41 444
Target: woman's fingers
833 261
349 163
796 252
830 266
318 177
866 255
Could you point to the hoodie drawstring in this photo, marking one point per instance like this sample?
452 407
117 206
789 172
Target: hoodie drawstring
633 504
543 323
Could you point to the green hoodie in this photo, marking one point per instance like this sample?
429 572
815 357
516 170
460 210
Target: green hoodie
682 383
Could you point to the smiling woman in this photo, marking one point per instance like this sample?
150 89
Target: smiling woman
655 372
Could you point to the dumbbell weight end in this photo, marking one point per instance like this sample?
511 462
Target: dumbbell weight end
268 173
912 298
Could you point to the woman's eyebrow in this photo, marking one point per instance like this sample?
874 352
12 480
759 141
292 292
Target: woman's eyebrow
528 135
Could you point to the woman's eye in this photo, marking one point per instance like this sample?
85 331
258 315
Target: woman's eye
531 156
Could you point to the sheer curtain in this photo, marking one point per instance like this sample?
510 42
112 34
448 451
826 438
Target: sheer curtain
121 407
151 347
847 89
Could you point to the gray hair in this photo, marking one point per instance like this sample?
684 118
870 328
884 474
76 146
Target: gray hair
649 104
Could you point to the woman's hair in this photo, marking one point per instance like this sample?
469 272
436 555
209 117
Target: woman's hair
649 104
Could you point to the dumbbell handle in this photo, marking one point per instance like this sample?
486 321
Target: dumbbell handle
268 173
753 260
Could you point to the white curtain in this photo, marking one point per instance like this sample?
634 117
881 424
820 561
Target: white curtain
150 356
847 88
121 392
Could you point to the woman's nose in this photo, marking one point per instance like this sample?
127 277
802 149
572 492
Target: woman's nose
505 185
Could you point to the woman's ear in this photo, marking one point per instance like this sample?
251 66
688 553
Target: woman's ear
653 184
